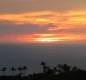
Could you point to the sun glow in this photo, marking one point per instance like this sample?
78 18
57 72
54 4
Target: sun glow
46 26
48 40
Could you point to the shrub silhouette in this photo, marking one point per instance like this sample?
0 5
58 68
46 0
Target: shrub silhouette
60 72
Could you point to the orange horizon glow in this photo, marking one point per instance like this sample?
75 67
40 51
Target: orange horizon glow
40 38
66 21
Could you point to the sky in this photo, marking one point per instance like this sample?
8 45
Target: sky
36 21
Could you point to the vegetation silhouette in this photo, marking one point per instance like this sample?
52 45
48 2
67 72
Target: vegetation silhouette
60 72
3 70
13 70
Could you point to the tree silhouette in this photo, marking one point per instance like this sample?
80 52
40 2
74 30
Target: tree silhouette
74 69
44 66
13 69
25 68
63 68
55 70
65 73
20 69
3 70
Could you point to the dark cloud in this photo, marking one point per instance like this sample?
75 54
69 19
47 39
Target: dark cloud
9 28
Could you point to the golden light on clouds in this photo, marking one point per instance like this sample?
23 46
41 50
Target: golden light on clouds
63 26
39 38
70 17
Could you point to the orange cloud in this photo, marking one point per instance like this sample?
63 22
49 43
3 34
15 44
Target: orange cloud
45 16
37 38
70 18
68 21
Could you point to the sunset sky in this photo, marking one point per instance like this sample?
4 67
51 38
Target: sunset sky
35 21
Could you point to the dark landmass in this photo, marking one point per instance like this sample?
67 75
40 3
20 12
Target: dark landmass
60 72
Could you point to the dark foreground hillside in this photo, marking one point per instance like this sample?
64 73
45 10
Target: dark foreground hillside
60 72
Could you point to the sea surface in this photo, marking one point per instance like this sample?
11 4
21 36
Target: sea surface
31 55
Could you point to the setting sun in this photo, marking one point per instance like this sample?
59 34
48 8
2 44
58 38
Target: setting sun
49 40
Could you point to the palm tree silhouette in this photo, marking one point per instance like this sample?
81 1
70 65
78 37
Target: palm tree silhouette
24 69
20 69
44 66
13 69
3 70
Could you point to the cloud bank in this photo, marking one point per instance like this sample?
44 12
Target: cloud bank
70 25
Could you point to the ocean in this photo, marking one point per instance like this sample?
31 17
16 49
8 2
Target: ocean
31 55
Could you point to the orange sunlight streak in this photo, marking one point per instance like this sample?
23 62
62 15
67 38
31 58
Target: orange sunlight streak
40 38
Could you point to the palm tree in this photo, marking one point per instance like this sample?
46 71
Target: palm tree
44 66
20 69
25 68
13 69
3 70
43 63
